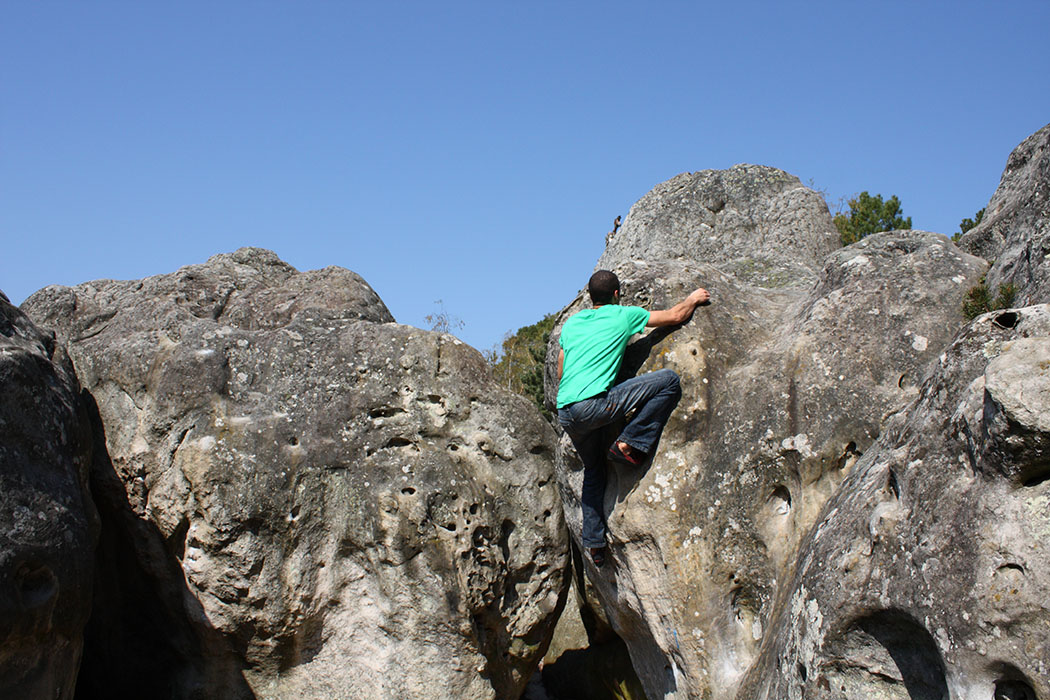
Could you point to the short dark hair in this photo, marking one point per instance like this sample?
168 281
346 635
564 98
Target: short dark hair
602 286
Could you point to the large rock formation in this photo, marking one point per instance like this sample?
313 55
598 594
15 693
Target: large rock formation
758 223
48 524
928 575
1014 233
788 377
306 499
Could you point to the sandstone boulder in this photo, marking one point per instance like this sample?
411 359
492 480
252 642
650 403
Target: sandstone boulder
928 574
48 525
1014 233
317 502
787 379
754 222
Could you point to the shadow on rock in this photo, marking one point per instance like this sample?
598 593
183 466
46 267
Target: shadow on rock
599 672
140 641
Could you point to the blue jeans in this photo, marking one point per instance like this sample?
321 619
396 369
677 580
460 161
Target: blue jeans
653 396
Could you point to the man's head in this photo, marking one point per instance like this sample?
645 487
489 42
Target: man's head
603 287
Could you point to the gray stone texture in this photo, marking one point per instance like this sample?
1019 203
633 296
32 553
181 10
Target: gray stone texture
757 223
48 524
928 574
788 378
317 501
1014 234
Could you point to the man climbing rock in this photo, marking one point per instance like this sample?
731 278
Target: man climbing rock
592 348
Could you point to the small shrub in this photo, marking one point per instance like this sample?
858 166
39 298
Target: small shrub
979 299
1007 293
442 321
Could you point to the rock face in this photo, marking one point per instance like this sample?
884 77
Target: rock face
928 575
1014 233
309 499
48 524
788 377
757 223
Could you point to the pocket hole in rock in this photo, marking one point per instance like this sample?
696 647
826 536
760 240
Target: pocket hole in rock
893 486
1006 689
1009 579
780 500
849 456
894 646
408 491
1038 477
1007 320
37 584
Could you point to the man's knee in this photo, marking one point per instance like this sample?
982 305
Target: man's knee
671 380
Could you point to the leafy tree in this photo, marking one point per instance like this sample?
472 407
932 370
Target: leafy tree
967 224
518 364
868 215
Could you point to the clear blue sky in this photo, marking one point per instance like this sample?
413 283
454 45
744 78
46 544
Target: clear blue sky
476 152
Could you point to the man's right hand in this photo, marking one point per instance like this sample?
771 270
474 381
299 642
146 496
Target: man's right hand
679 313
699 296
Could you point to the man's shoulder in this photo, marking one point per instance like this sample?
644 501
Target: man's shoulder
602 316
633 314
605 310
576 319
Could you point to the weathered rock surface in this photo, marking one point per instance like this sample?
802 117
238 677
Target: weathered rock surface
929 574
756 223
787 380
319 502
1014 233
48 524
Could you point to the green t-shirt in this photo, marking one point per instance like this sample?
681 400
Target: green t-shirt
594 341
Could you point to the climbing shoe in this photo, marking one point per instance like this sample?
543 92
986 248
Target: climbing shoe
597 555
635 458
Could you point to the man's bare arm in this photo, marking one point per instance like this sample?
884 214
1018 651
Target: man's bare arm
680 312
561 364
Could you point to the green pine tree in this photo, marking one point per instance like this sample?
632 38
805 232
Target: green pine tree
967 224
868 215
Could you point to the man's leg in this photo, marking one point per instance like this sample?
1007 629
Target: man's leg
655 396
583 423
592 498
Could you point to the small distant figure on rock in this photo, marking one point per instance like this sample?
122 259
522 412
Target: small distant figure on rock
592 348
616 227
